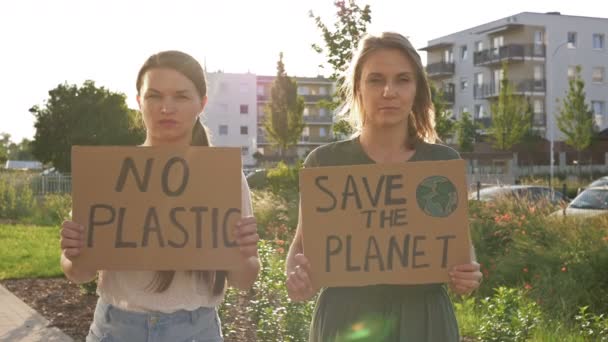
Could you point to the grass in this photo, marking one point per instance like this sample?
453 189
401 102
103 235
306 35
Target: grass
29 252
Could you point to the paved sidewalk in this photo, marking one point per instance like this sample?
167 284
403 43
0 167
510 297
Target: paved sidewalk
19 322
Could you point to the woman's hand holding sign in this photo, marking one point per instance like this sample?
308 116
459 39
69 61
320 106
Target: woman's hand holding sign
246 235
299 285
465 278
72 242
72 238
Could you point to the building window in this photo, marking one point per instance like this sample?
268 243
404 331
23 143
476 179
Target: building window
464 109
598 75
244 151
598 107
302 90
322 111
479 111
244 130
322 90
538 38
464 83
571 40
244 109
598 41
571 72
598 110
322 132
463 52
223 129
478 46
243 88
538 72
479 78
448 56
261 90
538 106
306 131
306 111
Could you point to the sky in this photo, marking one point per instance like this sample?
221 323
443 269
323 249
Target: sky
46 43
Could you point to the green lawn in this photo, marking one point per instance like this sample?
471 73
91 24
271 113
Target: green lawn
29 251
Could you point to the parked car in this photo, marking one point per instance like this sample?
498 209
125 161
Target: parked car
531 193
603 181
593 201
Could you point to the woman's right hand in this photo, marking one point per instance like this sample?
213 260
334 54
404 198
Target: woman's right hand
299 286
72 239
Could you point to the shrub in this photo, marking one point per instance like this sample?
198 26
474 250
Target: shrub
507 316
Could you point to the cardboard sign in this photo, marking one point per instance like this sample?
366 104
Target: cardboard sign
157 208
385 224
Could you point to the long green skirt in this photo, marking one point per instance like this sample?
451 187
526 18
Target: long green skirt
395 313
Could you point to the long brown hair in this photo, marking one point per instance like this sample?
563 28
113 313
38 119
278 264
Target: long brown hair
421 123
191 68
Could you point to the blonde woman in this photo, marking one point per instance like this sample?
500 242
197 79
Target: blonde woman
389 99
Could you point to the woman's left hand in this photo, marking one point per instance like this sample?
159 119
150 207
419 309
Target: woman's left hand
246 234
465 278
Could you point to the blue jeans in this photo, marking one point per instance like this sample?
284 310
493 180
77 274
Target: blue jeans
111 324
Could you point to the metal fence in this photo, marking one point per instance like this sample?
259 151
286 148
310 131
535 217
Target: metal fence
51 184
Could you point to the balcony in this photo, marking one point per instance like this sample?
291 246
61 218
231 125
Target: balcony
441 69
521 87
507 53
448 94
539 119
314 140
318 120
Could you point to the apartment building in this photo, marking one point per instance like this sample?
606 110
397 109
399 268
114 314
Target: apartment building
230 115
318 121
541 50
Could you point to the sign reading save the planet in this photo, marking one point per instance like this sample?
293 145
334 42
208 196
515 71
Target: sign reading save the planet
385 224
157 208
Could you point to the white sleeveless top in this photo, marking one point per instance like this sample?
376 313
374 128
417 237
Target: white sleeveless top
129 290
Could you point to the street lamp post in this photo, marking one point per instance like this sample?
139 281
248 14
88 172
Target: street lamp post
551 117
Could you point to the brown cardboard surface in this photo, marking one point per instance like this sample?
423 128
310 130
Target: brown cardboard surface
344 210
176 211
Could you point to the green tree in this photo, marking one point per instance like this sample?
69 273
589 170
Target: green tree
284 121
576 119
5 142
339 43
511 119
21 151
466 130
444 125
82 115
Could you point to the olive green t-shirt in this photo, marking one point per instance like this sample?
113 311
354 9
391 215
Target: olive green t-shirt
350 152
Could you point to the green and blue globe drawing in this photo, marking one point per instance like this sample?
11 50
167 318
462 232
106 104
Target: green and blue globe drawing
437 196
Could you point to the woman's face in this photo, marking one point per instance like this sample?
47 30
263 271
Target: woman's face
170 105
387 88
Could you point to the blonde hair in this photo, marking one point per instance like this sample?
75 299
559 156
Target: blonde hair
421 122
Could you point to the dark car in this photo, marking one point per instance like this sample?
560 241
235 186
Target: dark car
531 193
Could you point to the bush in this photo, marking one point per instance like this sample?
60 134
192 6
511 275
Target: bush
16 197
53 209
562 263
283 180
276 317
507 316
276 217
592 326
